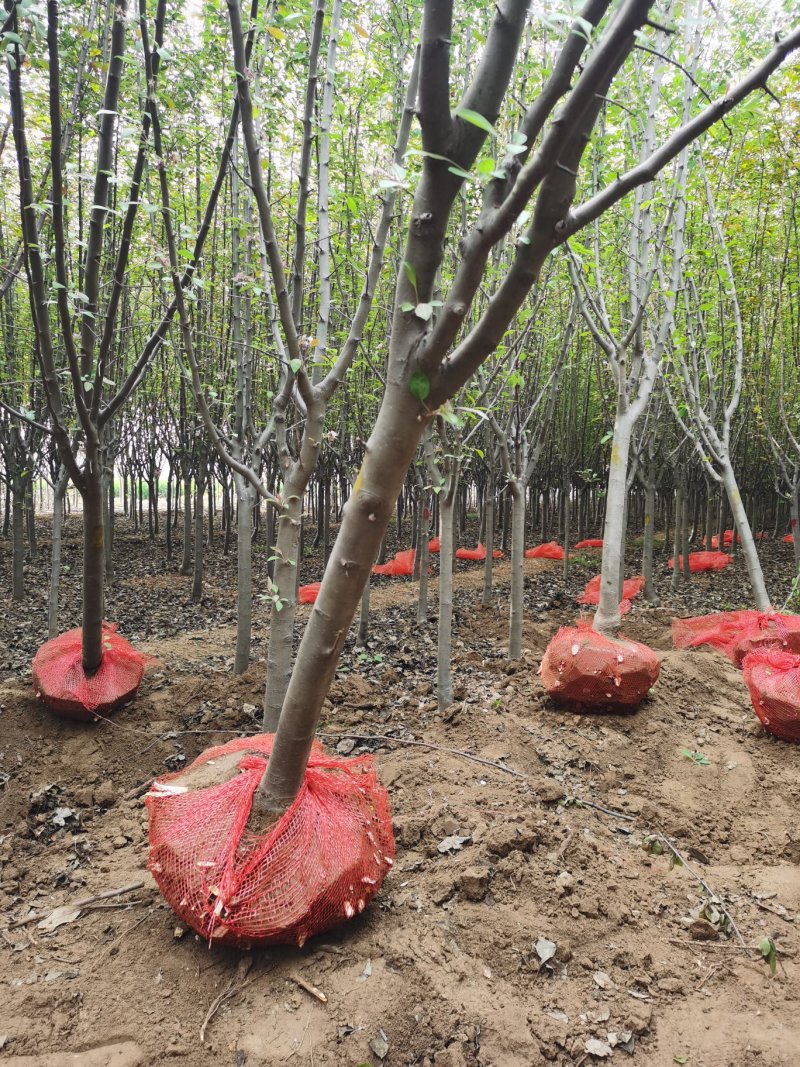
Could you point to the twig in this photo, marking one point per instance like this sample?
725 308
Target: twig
311 989
82 903
580 803
712 896
234 986
436 748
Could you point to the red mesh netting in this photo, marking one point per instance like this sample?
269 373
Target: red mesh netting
307 594
477 554
735 633
590 542
551 550
773 678
581 666
322 862
60 682
789 539
401 566
631 588
704 561
434 545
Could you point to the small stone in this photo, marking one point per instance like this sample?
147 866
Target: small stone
670 985
119 841
345 746
105 794
565 881
474 882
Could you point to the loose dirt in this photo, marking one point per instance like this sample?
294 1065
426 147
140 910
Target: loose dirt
555 934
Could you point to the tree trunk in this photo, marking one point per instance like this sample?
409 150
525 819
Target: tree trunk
444 679
488 511
650 594
517 604
199 548
186 560
244 586
607 617
59 489
18 543
93 563
742 526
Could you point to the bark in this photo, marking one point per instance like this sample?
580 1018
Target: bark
444 651
246 497
517 604
59 491
18 543
488 513
748 544
650 594
93 561
607 617
199 547
186 558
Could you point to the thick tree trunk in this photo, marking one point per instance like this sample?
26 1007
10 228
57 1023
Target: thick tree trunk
93 563
607 617
282 615
794 513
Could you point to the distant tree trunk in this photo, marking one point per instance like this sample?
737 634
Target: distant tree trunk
650 594
59 489
244 587
517 601
199 547
488 513
186 561
444 679
18 542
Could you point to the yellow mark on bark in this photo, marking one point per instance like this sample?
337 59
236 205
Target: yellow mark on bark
615 456
360 478
736 499
647 520
97 538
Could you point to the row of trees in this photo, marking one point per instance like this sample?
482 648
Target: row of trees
256 302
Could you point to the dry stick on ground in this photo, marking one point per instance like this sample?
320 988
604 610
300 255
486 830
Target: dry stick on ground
82 903
712 896
235 985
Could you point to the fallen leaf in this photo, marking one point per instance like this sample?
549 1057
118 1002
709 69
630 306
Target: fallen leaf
452 844
380 1045
545 949
595 1047
602 980
366 972
67 913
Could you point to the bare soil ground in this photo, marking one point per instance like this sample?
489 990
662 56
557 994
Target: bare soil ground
443 968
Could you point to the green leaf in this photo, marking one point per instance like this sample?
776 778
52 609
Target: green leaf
410 273
406 306
485 167
680 1059
460 172
295 364
419 386
14 38
475 119
423 311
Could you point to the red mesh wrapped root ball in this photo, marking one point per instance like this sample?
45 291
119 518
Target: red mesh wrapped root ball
735 633
704 561
773 679
590 542
585 668
321 863
550 550
478 554
307 594
60 681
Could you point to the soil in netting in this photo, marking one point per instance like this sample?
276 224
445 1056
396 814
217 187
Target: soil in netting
773 679
402 566
478 554
631 588
307 594
321 863
550 550
590 671
61 683
735 633
590 542
704 561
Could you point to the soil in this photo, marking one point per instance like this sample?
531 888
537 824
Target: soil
557 933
